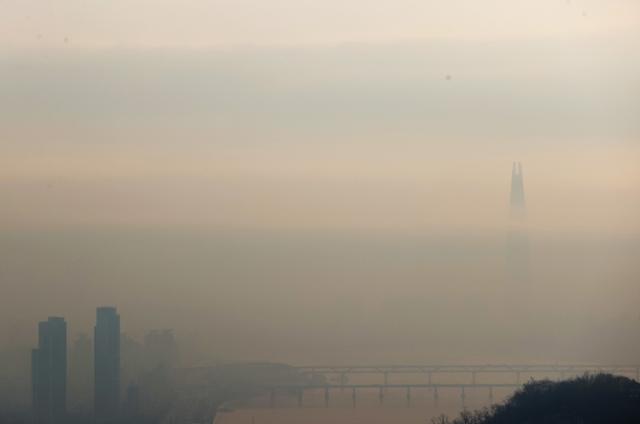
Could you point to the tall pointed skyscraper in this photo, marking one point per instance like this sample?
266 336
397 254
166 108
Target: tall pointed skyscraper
517 203
517 238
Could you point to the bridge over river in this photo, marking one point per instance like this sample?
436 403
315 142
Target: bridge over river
328 378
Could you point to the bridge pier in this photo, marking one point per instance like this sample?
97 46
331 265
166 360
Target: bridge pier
462 397
435 396
343 380
300 394
408 396
353 397
326 397
473 377
491 394
381 395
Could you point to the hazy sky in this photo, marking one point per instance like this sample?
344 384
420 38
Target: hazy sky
410 136
302 178
292 22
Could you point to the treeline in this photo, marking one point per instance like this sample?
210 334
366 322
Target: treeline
590 399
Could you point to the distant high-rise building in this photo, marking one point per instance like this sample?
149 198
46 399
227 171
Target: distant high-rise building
132 361
131 404
161 349
107 365
517 203
81 373
517 238
49 372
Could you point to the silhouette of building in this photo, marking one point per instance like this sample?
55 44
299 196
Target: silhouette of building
49 372
517 238
81 374
131 404
133 361
107 365
517 202
161 349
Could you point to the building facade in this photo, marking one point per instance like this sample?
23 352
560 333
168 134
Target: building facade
107 365
49 372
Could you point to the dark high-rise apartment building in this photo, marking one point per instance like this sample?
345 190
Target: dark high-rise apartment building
107 364
49 372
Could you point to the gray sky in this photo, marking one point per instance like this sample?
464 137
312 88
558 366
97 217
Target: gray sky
189 23
301 179
357 137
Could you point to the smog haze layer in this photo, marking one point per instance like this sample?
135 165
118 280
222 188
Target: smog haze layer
277 188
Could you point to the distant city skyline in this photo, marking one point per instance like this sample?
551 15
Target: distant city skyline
204 196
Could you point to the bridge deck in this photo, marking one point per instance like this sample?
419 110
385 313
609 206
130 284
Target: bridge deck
294 387
539 368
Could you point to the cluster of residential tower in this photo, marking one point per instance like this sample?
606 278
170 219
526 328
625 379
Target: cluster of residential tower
49 369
